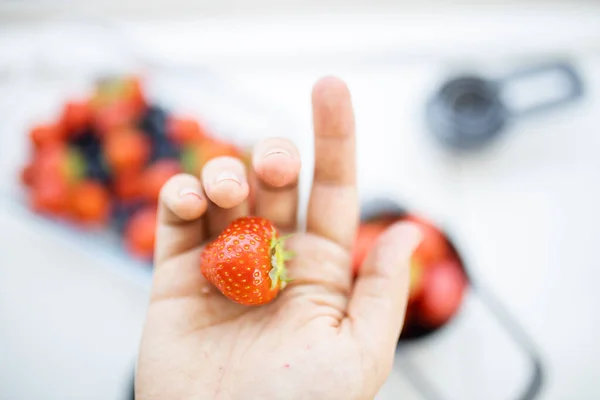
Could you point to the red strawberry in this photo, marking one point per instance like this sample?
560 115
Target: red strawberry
50 196
246 262
140 232
155 176
48 134
126 150
90 202
183 131
76 116
126 186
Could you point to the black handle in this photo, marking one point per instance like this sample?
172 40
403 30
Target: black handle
512 328
560 69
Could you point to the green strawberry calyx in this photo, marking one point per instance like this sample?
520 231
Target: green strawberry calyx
279 256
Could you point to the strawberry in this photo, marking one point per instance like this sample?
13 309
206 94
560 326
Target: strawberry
47 134
126 150
247 261
183 131
90 202
76 117
140 233
155 176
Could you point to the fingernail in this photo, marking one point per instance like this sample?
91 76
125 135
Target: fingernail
228 176
190 191
277 151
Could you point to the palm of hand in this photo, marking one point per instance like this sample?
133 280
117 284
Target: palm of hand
323 337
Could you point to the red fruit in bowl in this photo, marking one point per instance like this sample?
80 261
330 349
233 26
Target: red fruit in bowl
434 246
183 131
27 176
76 116
50 195
90 202
111 117
140 232
155 176
365 239
126 150
47 134
444 286
126 186
247 261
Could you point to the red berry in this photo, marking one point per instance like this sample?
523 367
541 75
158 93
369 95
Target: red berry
113 116
442 294
246 262
90 202
126 186
126 150
155 176
140 232
50 196
76 116
48 134
184 131
28 175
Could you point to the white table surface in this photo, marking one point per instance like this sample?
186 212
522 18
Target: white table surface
525 213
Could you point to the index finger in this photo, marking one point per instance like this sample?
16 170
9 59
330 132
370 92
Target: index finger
333 204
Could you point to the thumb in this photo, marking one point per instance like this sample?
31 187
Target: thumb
380 294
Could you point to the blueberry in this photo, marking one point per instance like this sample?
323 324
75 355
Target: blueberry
163 148
96 169
88 143
154 122
122 212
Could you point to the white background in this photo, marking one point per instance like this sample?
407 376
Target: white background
524 212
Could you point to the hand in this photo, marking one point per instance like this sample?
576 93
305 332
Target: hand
326 336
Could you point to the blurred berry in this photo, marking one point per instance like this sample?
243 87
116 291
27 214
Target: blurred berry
140 232
126 186
154 122
162 149
114 116
88 142
90 202
76 117
47 134
122 212
28 174
155 176
185 131
126 150
50 195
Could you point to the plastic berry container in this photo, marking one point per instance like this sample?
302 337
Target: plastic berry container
440 331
